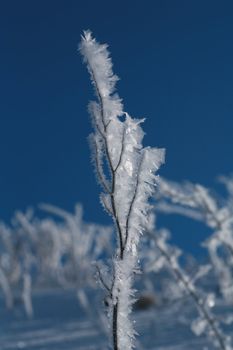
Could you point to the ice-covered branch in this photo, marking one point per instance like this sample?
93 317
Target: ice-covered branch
206 322
49 253
197 202
117 138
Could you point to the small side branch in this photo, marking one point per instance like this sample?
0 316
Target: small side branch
102 179
132 203
106 207
104 284
122 151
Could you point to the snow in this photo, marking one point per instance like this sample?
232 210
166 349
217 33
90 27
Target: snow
61 323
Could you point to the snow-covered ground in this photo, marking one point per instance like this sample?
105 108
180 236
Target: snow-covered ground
61 323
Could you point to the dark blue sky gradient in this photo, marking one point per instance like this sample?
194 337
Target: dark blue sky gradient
175 61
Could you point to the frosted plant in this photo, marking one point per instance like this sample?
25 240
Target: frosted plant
63 250
48 244
126 172
6 264
15 267
44 253
197 202
86 242
206 322
27 294
6 289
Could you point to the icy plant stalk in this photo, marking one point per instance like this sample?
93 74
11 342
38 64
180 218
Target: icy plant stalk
126 172
196 202
207 322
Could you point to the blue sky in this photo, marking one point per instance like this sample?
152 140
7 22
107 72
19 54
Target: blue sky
175 61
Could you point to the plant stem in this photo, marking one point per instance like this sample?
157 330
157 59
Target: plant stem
114 326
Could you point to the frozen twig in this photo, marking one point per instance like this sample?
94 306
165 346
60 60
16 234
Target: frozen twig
131 177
